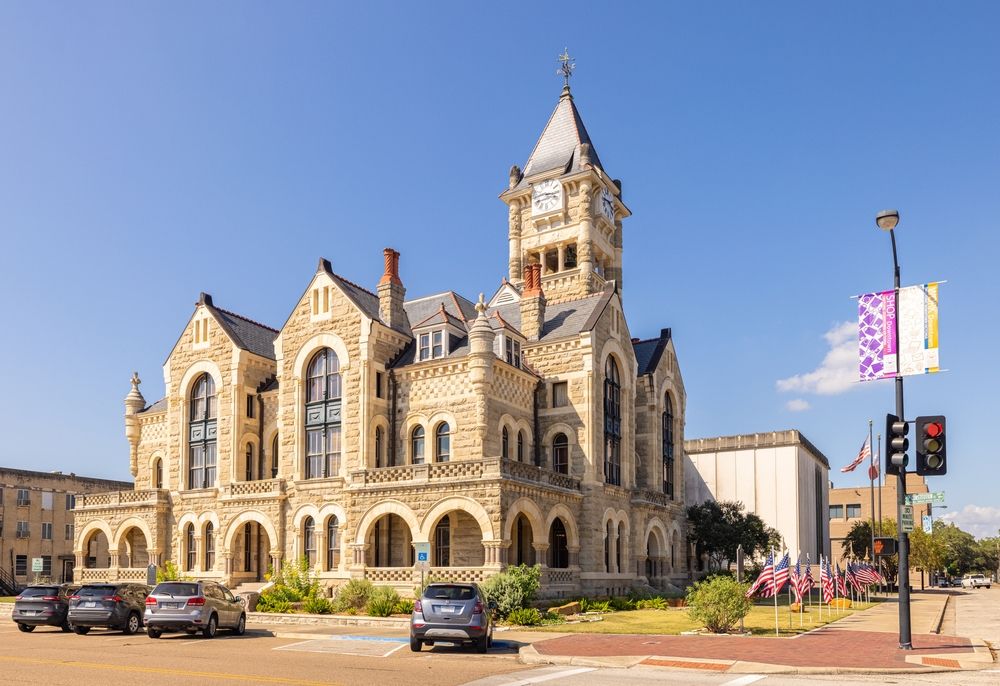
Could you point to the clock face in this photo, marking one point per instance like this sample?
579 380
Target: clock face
546 197
608 205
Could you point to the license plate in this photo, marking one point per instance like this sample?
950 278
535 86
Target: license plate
170 606
29 612
90 604
450 609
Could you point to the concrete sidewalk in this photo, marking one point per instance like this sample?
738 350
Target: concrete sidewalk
864 642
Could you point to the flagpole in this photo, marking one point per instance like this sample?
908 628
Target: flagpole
774 585
871 480
880 485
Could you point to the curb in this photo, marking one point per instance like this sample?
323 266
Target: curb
936 629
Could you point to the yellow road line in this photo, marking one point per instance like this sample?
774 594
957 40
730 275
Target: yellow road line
166 671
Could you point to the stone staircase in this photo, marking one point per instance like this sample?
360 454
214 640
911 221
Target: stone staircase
250 587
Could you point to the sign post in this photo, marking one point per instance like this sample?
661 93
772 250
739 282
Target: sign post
423 557
906 519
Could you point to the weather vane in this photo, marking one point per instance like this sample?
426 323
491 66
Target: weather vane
566 67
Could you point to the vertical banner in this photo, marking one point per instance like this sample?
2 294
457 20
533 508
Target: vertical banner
918 332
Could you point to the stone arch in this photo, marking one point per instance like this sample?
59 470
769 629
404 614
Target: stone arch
192 373
559 428
467 505
239 463
411 422
626 368
130 523
379 421
94 526
158 456
375 512
255 516
656 528
327 339
302 512
530 510
562 512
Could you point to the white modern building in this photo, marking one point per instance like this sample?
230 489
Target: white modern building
779 475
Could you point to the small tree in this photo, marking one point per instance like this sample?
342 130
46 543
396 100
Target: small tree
719 528
719 603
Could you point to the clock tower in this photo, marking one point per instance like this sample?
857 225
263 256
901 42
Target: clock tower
565 211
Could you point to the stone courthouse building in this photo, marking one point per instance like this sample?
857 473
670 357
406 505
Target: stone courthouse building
527 428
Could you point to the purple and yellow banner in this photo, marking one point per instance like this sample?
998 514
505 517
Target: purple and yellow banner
918 332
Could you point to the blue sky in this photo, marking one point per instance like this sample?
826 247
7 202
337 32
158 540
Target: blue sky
154 150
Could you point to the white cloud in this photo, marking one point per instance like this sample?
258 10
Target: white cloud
797 405
979 520
839 370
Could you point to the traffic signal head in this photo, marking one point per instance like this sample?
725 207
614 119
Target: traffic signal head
897 443
931 459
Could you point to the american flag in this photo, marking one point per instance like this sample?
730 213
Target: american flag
864 454
852 578
766 577
873 468
841 586
866 574
825 581
781 573
796 581
807 581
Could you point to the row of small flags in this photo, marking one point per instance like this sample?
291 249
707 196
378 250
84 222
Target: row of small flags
773 578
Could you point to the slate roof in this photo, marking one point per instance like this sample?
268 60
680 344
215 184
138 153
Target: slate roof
562 319
159 406
442 316
649 352
362 297
419 309
559 143
460 348
246 333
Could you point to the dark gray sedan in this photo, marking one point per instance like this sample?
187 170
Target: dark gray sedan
452 613
42 606
116 606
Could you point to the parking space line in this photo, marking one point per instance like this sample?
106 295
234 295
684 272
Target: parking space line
745 680
399 647
556 675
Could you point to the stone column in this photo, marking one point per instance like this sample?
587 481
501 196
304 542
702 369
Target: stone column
227 558
574 555
276 556
541 557
562 258
493 554
584 249
514 236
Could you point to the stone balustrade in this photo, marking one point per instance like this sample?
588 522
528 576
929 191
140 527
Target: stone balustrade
652 497
389 575
265 488
110 574
114 499
524 471
463 470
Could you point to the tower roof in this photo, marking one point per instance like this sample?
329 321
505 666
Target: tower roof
559 145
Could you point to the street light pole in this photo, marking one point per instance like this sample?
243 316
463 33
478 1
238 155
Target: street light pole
887 221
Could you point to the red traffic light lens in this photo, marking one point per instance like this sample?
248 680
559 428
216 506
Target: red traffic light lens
933 429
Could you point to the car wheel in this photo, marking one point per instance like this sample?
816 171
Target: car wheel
81 630
131 624
483 644
26 628
241 626
415 644
154 633
211 628
66 628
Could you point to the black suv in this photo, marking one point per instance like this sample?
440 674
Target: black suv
116 606
42 605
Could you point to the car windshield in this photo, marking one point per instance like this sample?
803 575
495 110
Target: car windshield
39 591
101 591
176 589
450 593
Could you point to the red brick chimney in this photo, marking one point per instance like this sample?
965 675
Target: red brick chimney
532 303
391 293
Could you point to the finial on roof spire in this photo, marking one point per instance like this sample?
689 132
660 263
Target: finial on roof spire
481 306
566 67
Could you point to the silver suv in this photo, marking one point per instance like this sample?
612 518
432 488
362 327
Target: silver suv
452 613
193 606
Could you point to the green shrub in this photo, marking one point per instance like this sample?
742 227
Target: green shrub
718 603
529 578
382 601
168 572
298 580
272 602
553 618
596 606
619 604
525 616
404 606
317 605
506 592
655 603
354 595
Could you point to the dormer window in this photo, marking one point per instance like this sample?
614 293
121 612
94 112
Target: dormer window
513 352
508 347
432 345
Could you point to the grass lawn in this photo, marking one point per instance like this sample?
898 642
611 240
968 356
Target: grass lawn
760 621
6 598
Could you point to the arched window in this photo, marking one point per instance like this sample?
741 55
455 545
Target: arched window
608 535
379 448
158 473
332 559
442 442
558 548
209 547
249 462
560 454
520 446
442 543
323 413
191 548
274 457
668 446
612 423
618 549
309 540
505 444
417 445
201 434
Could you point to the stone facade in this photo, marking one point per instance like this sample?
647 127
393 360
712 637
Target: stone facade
528 428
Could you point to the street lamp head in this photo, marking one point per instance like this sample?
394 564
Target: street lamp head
887 219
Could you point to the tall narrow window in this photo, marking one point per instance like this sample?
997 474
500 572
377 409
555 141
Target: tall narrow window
612 423
437 349
323 415
442 543
558 549
425 346
520 446
668 446
331 543
379 458
309 540
191 548
608 534
158 473
442 443
274 457
618 549
417 445
202 434
505 444
249 462
560 454
209 547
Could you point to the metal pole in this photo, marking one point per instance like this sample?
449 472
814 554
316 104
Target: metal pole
871 481
905 639
879 441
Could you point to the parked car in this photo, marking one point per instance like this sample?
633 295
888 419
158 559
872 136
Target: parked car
452 613
193 606
975 581
42 605
116 606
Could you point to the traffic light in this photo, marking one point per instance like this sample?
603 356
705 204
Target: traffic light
931 460
896 444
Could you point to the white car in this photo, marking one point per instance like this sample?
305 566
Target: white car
975 581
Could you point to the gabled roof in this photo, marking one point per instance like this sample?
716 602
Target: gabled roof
442 316
419 309
649 352
559 143
159 406
366 301
246 333
563 319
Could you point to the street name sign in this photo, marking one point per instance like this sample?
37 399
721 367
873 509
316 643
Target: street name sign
936 498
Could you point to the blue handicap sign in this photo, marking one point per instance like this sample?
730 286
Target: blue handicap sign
422 557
